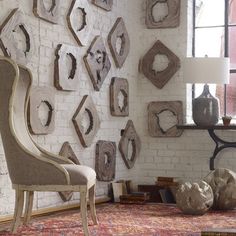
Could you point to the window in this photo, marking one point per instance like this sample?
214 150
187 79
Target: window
214 35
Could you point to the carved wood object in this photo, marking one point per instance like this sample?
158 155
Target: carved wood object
50 15
129 136
86 108
67 152
105 165
80 30
97 62
154 122
62 79
171 20
13 26
159 78
119 87
104 4
41 96
119 32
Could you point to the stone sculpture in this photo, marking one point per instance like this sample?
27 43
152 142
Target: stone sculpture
104 4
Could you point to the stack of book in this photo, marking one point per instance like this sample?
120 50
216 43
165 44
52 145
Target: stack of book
166 181
135 198
219 232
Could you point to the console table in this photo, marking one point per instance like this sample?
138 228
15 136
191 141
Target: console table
220 143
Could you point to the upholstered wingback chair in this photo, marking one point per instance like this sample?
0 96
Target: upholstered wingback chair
30 167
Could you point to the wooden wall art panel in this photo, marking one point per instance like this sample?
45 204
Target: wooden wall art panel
129 137
105 165
119 32
104 4
80 9
119 87
86 109
62 79
41 96
159 78
50 15
97 62
154 123
171 20
11 29
67 152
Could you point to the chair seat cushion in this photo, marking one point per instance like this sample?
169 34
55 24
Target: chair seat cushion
79 174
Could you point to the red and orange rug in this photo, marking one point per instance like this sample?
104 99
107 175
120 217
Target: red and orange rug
130 220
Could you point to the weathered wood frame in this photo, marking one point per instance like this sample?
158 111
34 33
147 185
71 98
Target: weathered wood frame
119 31
8 43
170 21
41 95
156 108
105 171
159 78
86 137
97 62
129 134
62 80
51 15
104 5
119 85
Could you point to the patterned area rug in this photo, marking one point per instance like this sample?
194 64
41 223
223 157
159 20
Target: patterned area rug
130 220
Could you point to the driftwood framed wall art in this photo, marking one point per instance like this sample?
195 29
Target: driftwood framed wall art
169 20
119 97
104 4
86 121
50 14
16 38
97 62
119 42
146 65
105 165
165 126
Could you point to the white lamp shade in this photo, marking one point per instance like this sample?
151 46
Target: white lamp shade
206 70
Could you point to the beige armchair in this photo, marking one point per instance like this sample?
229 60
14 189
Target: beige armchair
30 167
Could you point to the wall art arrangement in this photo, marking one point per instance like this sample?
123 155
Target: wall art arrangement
80 30
86 110
41 98
62 79
146 65
104 4
155 127
10 30
119 32
170 20
97 62
51 14
105 165
119 97
129 136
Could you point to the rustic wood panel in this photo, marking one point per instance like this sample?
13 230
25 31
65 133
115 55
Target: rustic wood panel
38 96
104 4
50 15
81 32
63 80
155 109
15 22
119 85
159 78
129 135
170 21
105 168
97 62
119 31
87 135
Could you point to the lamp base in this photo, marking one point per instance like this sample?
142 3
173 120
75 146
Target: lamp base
205 108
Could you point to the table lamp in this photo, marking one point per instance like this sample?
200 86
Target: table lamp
205 108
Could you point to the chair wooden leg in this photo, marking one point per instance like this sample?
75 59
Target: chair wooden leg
28 206
19 203
92 204
83 210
